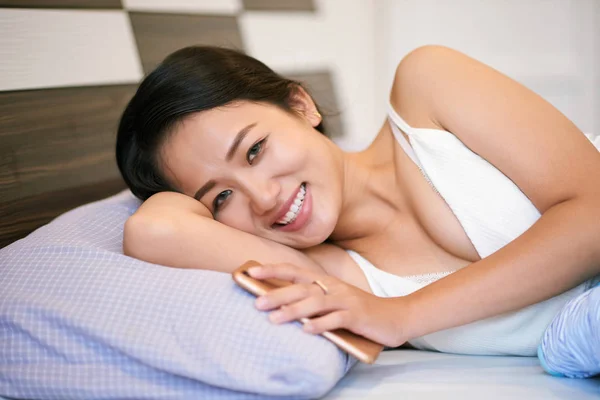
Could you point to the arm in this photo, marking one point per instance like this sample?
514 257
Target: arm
537 148
175 230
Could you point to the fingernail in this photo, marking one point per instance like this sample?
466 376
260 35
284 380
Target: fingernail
276 317
309 327
254 270
262 302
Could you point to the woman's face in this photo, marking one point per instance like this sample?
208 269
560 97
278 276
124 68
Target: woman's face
260 170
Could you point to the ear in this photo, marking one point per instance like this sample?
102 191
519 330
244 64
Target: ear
303 104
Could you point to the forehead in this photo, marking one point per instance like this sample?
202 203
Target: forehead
223 121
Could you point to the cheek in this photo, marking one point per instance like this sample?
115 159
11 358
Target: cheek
237 216
285 161
330 205
328 195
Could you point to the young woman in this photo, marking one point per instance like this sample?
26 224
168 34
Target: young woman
466 225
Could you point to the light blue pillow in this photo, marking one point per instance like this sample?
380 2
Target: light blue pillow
80 320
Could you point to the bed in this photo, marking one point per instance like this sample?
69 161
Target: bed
421 375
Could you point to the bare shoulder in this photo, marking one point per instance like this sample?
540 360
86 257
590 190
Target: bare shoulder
424 55
429 62
413 91
336 262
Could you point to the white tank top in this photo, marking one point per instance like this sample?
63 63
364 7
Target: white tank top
493 211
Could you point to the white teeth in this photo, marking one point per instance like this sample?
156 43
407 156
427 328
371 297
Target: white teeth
295 208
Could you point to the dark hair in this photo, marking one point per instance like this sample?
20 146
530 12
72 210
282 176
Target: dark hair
190 80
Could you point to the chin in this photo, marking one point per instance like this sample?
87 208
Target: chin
306 244
313 238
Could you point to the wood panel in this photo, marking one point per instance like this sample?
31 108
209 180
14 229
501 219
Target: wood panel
158 35
321 88
103 4
279 5
57 140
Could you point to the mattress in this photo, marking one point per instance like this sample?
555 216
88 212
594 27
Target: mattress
423 375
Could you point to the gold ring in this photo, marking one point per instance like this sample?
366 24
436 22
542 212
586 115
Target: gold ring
322 286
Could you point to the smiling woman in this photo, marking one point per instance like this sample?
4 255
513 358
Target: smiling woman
473 211
222 147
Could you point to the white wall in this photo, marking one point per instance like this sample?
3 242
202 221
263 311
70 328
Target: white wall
551 46
339 37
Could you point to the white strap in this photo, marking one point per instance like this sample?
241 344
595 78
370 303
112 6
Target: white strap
397 123
398 119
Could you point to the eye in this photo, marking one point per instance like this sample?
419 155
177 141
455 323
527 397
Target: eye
255 151
219 200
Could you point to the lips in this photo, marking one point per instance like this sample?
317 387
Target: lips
285 207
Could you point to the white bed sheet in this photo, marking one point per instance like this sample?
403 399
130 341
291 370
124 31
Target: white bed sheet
423 375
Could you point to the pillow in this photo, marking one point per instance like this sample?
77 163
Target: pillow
78 319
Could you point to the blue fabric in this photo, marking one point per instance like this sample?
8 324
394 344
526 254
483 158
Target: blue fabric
570 346
80 320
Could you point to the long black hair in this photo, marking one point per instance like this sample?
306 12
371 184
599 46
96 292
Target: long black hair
192 79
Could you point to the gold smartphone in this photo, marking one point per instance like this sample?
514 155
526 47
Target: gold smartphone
360 347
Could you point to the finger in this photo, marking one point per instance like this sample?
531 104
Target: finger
290 294
285 271
308 307
329 322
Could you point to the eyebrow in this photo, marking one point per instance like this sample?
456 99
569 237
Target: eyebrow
238 139
207 187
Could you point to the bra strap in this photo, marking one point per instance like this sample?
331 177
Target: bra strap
398 123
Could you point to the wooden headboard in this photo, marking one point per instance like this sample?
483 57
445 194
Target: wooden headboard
57 153
66 75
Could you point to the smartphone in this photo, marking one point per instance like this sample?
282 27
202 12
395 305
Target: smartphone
360 347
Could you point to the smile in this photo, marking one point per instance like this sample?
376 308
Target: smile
295 208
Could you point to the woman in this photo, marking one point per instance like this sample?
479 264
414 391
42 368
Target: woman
477 205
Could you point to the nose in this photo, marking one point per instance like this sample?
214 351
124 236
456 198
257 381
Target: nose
263 194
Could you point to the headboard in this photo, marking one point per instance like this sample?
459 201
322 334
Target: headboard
67 70
57 153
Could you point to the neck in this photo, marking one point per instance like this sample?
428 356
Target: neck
369 192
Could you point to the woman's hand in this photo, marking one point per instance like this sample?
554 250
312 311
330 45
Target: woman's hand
335 305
